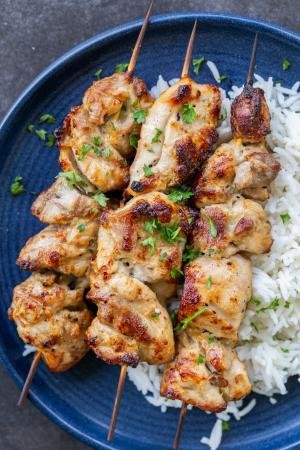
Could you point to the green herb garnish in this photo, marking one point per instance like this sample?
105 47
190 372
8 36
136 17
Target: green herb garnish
47 118
190 254
30 128
98 73
200 359
210 339
50 140
121 67
106 152
156 137
197 64
225 425
155 314
100 198
286 304
150 241
151 225
255 301
185 322
133 140
85 149
286 64
212 228
209 282
188 113
223 115
272 306
285 217
139 115
41 134
176 273
222 78
284 350
81 227
72 178
16 188
163 256
147 170
180 194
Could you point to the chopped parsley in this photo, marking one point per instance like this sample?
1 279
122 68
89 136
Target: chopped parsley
180 194
98 73
139 115
225 425
222 78
156 137
212 228
147 170
85 149
30 128
163 256
209 282
168 233
285 217
188 113
284 350
106 152
133 140
81 227
185 322
50 140
255 301
254 326
197 64
190 254
97 141
200 359
16 188
210 339
173 317
150 241
176 273
223 115
211 251
286 64
155 314
286 304
151 225
100 198
47 118
272 306
41 134
121 67
72 178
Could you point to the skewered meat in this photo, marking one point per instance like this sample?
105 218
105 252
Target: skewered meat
95 137
223 288
139 247
63 248
206 373
177 136
238 226
51 315
234 168
61 203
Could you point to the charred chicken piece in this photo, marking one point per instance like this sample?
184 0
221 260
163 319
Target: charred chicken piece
51 315
240 225
223 288
177 136
60 204
206 373
139 248
235 168
95 137
64 248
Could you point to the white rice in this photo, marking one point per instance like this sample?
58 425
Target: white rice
269 340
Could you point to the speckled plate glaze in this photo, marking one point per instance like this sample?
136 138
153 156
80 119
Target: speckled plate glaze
80 401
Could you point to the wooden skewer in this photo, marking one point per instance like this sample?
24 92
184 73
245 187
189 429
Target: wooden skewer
138 44
123 371
32 370
116 408
189 51
183 412
250 74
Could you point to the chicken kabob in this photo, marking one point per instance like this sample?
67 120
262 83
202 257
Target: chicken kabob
140 247
67 245
206 372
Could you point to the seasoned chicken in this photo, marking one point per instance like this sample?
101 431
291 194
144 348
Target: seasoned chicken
97 136
218 291
206 373
63 248
177 136
240 225
51 315
139 257
234 168
61 203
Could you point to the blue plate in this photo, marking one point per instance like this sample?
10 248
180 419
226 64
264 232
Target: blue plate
81 400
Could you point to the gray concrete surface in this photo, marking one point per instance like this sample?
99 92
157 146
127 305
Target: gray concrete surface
34 33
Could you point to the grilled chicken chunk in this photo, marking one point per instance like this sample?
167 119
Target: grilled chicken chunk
60 204
95 137
206 373
223 288
177 136
234 168
51 315
64 248
139 248
240 225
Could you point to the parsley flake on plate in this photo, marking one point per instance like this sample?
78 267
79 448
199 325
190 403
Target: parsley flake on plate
197 64
188 113
16 188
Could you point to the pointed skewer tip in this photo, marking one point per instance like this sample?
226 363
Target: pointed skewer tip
31 373
182 415
116 407
189 51
252 64
139 41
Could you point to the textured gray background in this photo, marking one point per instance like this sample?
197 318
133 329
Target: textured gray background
33 33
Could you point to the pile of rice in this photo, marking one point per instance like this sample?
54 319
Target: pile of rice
269 339
270 333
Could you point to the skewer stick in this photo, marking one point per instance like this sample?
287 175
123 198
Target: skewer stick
32 370
189 51
138 44
250 74
183 412
116 408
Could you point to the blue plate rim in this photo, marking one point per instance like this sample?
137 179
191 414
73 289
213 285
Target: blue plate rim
48 72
